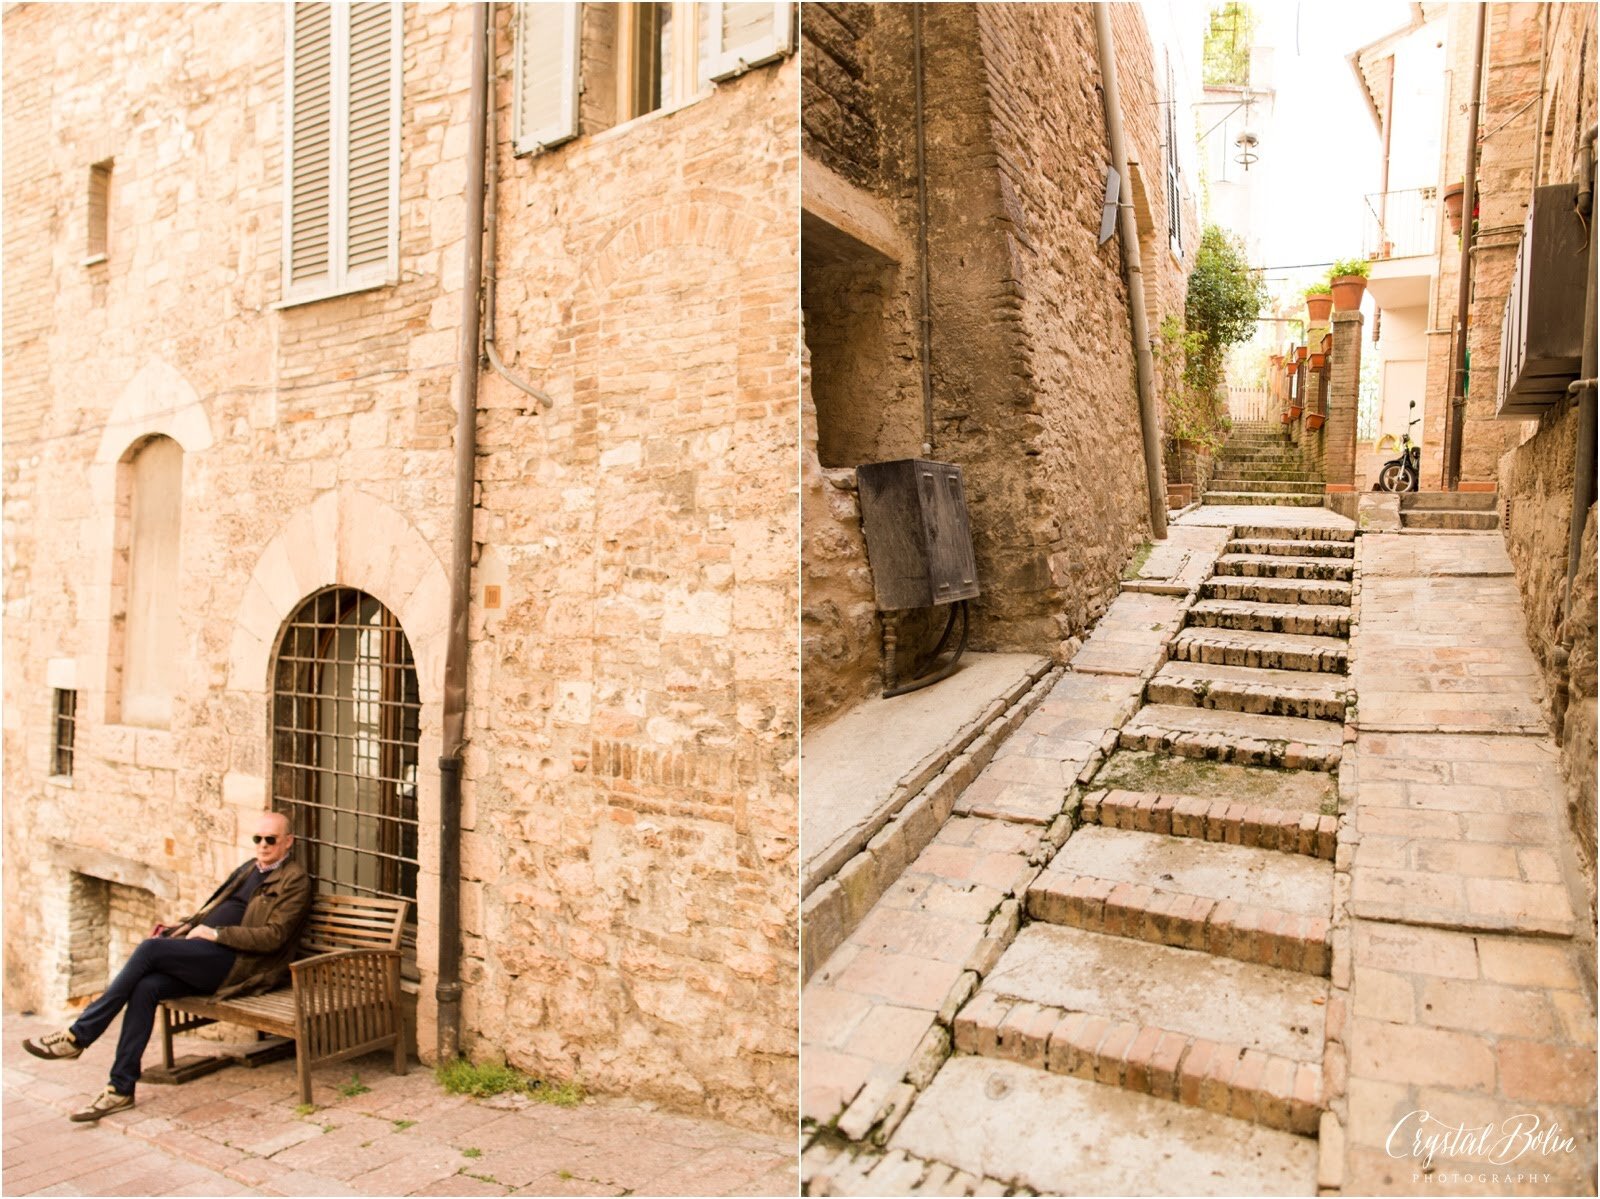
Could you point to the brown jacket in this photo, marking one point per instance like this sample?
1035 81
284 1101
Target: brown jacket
265 940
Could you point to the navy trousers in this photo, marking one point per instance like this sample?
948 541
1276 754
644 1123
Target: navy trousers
161 968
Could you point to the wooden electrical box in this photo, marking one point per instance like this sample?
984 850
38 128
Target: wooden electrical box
919 538
1541 333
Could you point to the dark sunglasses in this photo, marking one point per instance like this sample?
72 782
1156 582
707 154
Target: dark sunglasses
258 839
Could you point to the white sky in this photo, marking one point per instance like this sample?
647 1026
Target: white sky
1322 147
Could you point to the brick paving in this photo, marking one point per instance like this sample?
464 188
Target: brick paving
1471 997
238 1132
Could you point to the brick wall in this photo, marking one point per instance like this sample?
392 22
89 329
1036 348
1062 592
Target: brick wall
1536 477
629 786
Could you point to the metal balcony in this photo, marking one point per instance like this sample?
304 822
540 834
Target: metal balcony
1401 224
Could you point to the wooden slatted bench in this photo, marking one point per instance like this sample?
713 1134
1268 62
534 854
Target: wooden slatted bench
343 999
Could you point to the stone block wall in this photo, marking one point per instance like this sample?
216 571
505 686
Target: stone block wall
630 824
1032 358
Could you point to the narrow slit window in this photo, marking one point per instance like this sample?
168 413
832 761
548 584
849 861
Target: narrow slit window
63 732
99 241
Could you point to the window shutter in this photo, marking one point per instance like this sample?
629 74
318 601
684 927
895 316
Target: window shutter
745 35
1174 189
311 144
546 112
370 140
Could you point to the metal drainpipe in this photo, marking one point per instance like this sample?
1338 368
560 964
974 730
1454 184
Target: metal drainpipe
1583 466
448 991
1469 201
925 316
1135 275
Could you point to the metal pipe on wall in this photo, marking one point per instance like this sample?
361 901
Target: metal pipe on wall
448 989
1583 465
925 314
1469 202
1135 275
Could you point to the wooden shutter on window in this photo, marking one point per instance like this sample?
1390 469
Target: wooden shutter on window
370 142
310 144
745 35
1174 187
546 84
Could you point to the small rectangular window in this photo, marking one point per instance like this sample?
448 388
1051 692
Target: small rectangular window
98 244
66 716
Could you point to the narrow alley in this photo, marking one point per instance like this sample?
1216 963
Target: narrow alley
1262 873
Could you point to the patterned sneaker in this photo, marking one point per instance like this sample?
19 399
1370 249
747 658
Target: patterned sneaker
103 1104
54 1045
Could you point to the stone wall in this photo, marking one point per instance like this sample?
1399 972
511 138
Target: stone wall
1536 478
630 825
1033 371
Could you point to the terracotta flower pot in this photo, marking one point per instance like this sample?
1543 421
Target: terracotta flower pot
1347 293
1317 307
1314 421
1294 411
1287 418
1453 199
1327 343
1300 353
1318 361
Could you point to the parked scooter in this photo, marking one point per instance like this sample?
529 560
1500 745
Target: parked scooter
1405 472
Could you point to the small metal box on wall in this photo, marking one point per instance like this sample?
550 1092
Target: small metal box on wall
919 538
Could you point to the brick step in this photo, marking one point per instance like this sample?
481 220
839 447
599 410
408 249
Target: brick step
1277 591
1295 533
1315 620
1259 826
1301 792
1455 501
1291 741
1284 499
1269 651
1298 548
1198 897
1433 518
1312 695
1266 473
1270 483
1284 566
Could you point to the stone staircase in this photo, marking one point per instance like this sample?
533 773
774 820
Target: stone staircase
1449 510
1178 948
1259 465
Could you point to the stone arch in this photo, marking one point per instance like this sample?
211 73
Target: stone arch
705 223
157 400
345 536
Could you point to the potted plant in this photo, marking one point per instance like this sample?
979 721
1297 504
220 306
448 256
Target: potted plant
1319 299
1314 421
1453 198
1300 353
1295 410
1327 342
1318 360
1348 280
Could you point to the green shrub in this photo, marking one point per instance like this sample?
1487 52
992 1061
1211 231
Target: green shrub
1350 266
1320 289
462 1077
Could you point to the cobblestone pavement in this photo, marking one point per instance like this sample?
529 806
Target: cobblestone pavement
1471 973
238 1132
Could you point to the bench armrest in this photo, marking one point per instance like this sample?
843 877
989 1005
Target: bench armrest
345 999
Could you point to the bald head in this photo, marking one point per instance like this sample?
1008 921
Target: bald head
272 839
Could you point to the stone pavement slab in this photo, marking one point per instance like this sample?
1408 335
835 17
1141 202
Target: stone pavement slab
1181 563
1064 1136
860 768
1462 832
1283 515
397 1136
1131 638
1184 990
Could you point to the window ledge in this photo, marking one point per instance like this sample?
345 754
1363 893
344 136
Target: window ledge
331 293
95 260
63 781
655 114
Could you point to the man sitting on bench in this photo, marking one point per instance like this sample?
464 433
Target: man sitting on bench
238 943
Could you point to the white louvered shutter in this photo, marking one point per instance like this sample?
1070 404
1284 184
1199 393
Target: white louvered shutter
342 161
370 139
738 36
546 83
1174 182
310 147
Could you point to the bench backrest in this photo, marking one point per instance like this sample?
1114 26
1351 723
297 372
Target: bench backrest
352 922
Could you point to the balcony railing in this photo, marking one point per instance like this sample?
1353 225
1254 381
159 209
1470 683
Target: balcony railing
1401 224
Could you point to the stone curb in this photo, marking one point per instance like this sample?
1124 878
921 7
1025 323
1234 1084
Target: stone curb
1214 820
1223 928
838 905
1247 1084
